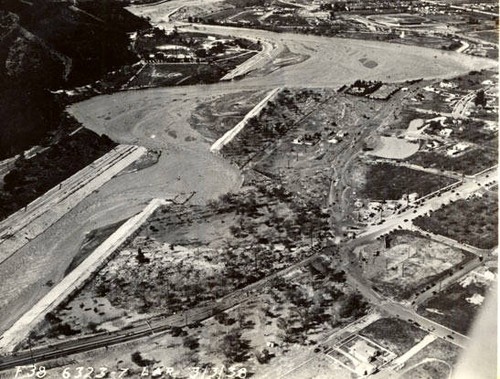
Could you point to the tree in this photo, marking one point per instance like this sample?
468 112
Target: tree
480 99
191 342
140 257
264 357
234 347
354 305
139 360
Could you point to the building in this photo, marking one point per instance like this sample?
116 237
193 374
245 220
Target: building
362 351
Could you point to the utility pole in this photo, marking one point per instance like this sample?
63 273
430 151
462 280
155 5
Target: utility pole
255 259
31 351
150 328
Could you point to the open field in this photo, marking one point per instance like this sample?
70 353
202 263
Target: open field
432 362
394 334
411 263
473 221
268 333
469 163
486 35
378 186
457 306
170 74
213 119
159 119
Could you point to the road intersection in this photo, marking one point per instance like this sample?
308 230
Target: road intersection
295 76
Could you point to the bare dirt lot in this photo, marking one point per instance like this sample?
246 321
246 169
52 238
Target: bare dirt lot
435 361
409 264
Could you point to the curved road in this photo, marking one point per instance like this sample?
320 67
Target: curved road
159 118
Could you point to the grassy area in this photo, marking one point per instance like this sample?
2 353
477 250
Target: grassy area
389 182
437 350
394 334
169 74
428 370
473 221
469 163
486 35
452 308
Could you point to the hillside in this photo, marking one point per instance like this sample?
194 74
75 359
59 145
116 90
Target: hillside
50 45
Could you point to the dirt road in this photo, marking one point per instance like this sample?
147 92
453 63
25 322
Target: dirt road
159 118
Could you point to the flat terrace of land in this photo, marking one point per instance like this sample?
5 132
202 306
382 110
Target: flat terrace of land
406 262
435 361
473 221
185 167
159 119
457 306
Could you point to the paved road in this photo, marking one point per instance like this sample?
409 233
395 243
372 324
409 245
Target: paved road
405 312
134 118
460 191
463 8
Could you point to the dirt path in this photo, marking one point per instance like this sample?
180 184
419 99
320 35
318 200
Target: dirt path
158 118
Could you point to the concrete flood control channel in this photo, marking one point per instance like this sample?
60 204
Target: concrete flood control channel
26 224
75 280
